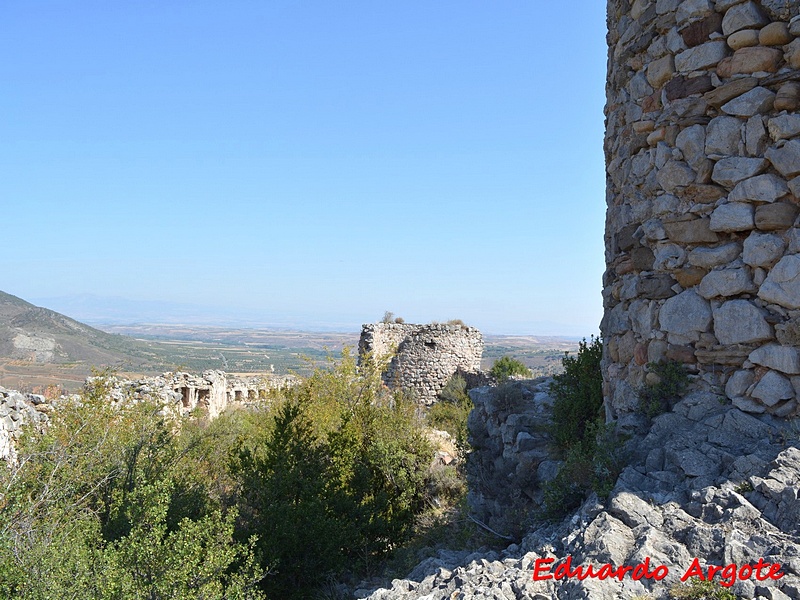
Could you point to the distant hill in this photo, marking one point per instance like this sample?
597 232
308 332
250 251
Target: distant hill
35 340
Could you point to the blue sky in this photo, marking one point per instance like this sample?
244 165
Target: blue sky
305 163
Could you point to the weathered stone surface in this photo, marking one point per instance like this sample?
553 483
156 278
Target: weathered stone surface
732 216
739 383
773 388
792 53
698 32
775 34
747 15
661 71
691 10
701 57
743 39
655 287
691 142
788 97
755 136
723 355
685 313
725 283
696 231
786 159
668 257
700 194
777 216
756 59
780 358
784 127
783 283
713 257
423 358
761 188
727 92
642 259
757 100
723 136
740 322
762 249
675 174
732 170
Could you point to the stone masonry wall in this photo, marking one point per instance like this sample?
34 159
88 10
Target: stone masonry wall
424 357
703 179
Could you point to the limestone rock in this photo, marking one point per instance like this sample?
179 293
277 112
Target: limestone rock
686 313
740 322
730 171
757 100
761 188
716 256
725 283
780 358
772 388
777 216
724 135
739 383
784 127
675 174
747 15
701 57
727 92
786 159
783 283
762 249
732 216
660 71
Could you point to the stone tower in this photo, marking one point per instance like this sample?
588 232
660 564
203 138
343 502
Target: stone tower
702 184
423 357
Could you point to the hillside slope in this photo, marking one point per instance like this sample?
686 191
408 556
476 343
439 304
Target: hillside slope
37 340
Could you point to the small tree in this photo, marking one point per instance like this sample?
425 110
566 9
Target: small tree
506 367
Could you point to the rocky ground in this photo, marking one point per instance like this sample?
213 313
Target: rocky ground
706 481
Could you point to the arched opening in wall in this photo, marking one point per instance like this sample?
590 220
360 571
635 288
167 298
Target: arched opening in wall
184 392
237 395
251 395
203 396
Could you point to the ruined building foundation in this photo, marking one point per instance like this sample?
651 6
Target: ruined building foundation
423 357
703 179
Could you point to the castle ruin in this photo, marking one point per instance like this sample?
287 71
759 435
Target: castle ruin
703 178
423 357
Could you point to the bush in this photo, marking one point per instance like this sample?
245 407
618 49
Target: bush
577 394
506 367
658 398
452 411
593 451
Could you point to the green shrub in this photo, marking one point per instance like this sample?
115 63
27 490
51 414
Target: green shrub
698 589
452 410
577 394
506 367
593 452
658 398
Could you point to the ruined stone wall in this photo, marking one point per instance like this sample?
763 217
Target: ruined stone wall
703 178
424 357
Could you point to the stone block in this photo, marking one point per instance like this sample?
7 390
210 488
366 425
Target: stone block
761 188
784 127
782 285
727 92
772 388
696 231
757 101
775 34
724 135
725 283
732 170
732 216
740 322
660 71
743 39
756 59
786 159
762 249
788 97
701 57
780 358
776 216
747 15
685 313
